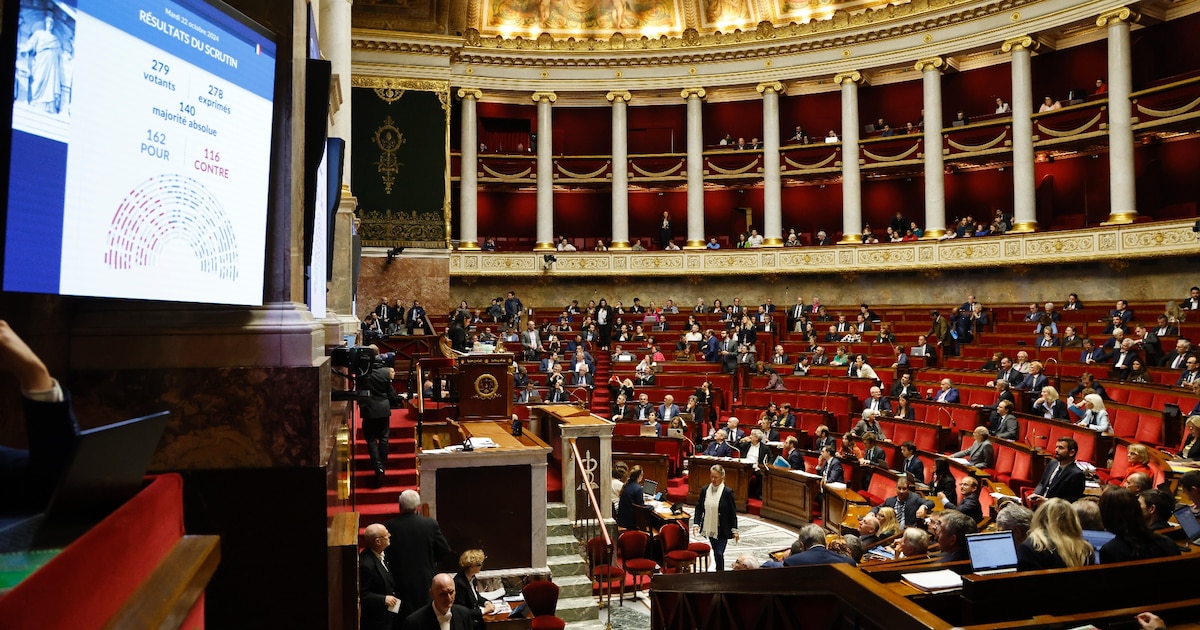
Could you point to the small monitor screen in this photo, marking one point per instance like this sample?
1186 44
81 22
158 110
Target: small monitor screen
141 145
990 551
650 487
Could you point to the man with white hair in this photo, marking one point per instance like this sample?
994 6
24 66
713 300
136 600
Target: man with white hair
719 447
417 546
982 452
947 393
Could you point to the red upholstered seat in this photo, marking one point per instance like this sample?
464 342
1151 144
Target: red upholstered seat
604 573
675 548
542 599
632 547
702 550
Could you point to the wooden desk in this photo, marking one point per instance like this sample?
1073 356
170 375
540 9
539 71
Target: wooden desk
593 437
737 477
789 496
504 622
836 504
656 466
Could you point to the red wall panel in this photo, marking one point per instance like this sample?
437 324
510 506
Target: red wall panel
741 118
975 91
658 128
977 194
896 103
808 209
1165 50
817 113
583 130
1056 74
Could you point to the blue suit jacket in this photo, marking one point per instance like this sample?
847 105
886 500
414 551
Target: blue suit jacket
817 555
951 395
719 449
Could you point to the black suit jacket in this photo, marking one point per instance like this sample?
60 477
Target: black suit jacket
765 455
425 619
726 512
383 398
417 546
375 583
910 507
969 506
29 477
1068 485
465 596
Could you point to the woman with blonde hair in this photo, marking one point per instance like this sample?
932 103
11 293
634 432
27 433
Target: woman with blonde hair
1191 446
1095 416
887 522
1055 540
1049 405
1139 460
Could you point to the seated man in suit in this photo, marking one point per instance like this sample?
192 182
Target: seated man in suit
1093 354
812 538
910 464
906 504
732 432
1007 373
905 387
877 402
442 608
1035 380
981 453
1177 358
1071 339
828 466
968 499
1005 425
1191 373
869 424
377 588
668 409
945 394
1123 359
1064 480
583 378
953 528
719 447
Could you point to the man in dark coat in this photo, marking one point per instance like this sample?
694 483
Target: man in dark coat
417 546
376 586
377 416
430 616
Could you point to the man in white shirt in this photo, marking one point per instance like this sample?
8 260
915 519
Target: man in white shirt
442 613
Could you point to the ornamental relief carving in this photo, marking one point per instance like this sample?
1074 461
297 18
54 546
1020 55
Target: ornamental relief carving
1059 245
655 263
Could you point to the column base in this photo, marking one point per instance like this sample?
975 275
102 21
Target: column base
1121 218
544 247
619 246
773 242
853 238
695 245
933 235
1023 227
468 246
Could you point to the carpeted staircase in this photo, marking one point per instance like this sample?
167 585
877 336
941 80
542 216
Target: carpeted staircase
601 402
376 505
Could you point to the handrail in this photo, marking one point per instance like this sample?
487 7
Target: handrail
591 496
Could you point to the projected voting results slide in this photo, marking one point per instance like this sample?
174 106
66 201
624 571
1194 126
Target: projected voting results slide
146 173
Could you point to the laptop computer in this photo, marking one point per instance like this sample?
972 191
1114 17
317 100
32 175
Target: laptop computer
675 433
107 469
916 351
992 552
1097 538
650 489
1187 520
649 430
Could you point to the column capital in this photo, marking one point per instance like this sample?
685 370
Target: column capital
549 97
1123 14
624 95
854 76
774 86
1024 42
474 93
931 63
698 92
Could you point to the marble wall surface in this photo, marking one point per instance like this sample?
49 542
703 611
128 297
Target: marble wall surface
410 276
220 418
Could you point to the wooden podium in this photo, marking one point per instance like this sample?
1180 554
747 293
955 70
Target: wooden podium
485 387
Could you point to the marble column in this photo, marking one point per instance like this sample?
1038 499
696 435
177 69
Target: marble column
468 171
695 167
1024 182
545 171
935 172
334 36
851 184
772 202
1121 182
620 168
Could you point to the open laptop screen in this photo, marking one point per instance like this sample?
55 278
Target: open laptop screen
992 550
1187 520
650 487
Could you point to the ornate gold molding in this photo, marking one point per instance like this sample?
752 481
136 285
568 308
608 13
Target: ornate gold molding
1116 16
1024 42
853 76
624 95
931 63
698 92
538 97
774 86
474 93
